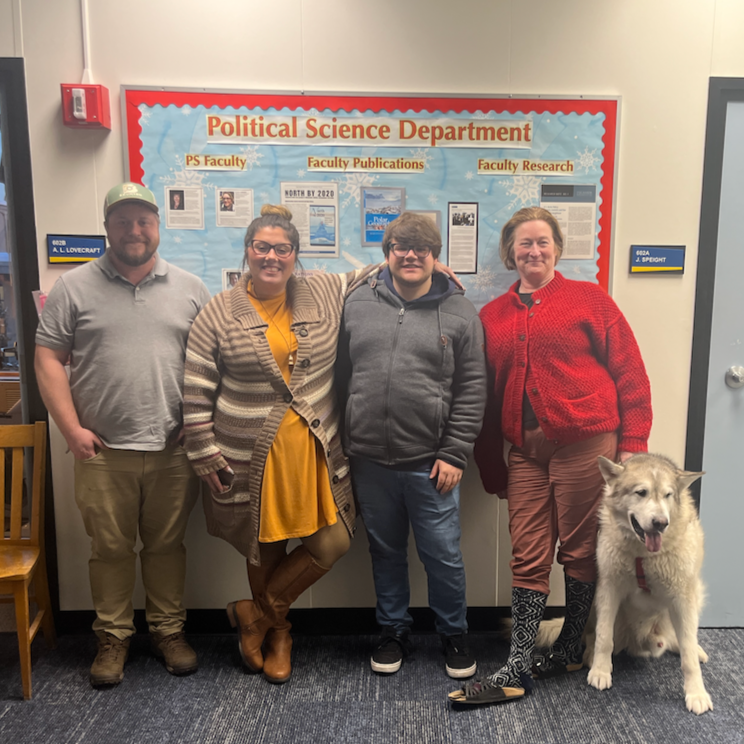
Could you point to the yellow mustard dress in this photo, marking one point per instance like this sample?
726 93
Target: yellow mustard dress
296 496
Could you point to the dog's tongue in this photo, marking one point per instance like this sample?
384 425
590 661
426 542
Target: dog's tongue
653 542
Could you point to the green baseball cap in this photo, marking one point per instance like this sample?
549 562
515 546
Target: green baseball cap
126 192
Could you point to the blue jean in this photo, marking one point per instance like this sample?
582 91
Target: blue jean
390 501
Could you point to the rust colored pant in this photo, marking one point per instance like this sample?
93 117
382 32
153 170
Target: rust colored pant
554 492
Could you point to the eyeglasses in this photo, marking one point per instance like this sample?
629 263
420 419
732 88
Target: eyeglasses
401 250
281 249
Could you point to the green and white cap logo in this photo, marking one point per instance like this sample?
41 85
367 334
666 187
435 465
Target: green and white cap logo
126 192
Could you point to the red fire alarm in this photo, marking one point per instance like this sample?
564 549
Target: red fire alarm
86 106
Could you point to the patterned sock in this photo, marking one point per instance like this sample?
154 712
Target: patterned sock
528 607
568 647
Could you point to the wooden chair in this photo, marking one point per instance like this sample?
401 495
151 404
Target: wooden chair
22 561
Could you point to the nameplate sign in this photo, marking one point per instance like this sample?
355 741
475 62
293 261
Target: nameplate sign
657 259
75 248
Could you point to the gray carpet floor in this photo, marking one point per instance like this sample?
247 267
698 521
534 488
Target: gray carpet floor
334 697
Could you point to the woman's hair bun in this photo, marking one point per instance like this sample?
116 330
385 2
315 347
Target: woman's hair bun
278 209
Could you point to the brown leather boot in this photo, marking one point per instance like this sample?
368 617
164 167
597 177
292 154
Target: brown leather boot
295 573
245 612
250 618
278 655
298 571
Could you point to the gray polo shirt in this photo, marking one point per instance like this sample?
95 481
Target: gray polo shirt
127 347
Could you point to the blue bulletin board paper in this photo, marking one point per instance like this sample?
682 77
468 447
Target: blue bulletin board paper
429 152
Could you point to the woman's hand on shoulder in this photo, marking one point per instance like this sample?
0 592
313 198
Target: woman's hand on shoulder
441 268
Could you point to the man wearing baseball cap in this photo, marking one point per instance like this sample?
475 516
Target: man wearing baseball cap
122 321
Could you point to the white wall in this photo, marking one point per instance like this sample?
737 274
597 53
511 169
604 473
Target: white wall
657 56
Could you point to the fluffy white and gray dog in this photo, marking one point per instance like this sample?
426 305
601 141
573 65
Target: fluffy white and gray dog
649 555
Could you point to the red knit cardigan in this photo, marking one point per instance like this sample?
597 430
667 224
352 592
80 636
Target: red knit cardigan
577 358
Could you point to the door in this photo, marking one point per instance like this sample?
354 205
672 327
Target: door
715 434
19 277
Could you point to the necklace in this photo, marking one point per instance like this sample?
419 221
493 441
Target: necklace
271 316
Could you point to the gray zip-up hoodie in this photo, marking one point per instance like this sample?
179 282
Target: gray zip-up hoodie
412 374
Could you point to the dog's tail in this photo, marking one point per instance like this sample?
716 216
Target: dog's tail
546 635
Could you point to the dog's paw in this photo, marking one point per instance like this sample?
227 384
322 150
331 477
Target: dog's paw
600 680
698 702
702 655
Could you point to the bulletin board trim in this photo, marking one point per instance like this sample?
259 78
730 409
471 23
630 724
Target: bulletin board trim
134 96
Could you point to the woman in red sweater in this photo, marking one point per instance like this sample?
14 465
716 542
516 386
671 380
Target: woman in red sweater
569 384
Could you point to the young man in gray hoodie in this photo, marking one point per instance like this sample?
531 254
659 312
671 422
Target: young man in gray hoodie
413 376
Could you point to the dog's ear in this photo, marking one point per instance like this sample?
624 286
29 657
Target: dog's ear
686 478
610 470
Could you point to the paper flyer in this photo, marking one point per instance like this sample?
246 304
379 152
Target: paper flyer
314 208
463 237
233 207
184 208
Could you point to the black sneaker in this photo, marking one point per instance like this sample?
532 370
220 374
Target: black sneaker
388 656
459 662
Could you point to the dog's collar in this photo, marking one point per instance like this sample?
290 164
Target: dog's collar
641 576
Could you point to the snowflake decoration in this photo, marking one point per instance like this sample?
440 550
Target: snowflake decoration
300 173
469 176
265 196
525 190
422 154
320 267
587 159
187 178
186 110
485 279
145 113
353 185
433 199
346 242
251 155
481 115
177 239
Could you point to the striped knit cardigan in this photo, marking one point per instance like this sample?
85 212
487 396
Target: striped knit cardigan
235 397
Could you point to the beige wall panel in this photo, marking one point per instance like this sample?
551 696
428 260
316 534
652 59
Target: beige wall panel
409 46
8 42
728 50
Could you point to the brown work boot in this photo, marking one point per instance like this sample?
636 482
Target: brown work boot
108 666
179 657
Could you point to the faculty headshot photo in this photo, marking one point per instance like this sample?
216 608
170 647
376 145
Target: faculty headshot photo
176 200
227 201
230 277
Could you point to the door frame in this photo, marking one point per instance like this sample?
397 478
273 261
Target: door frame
25 267
721 91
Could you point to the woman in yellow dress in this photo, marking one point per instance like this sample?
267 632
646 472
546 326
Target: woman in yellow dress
262 431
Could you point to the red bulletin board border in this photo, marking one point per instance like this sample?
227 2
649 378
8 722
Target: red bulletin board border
133 97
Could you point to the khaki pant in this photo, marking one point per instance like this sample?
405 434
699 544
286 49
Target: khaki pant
120 492
554 494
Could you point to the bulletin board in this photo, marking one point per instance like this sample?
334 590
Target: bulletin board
347 165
